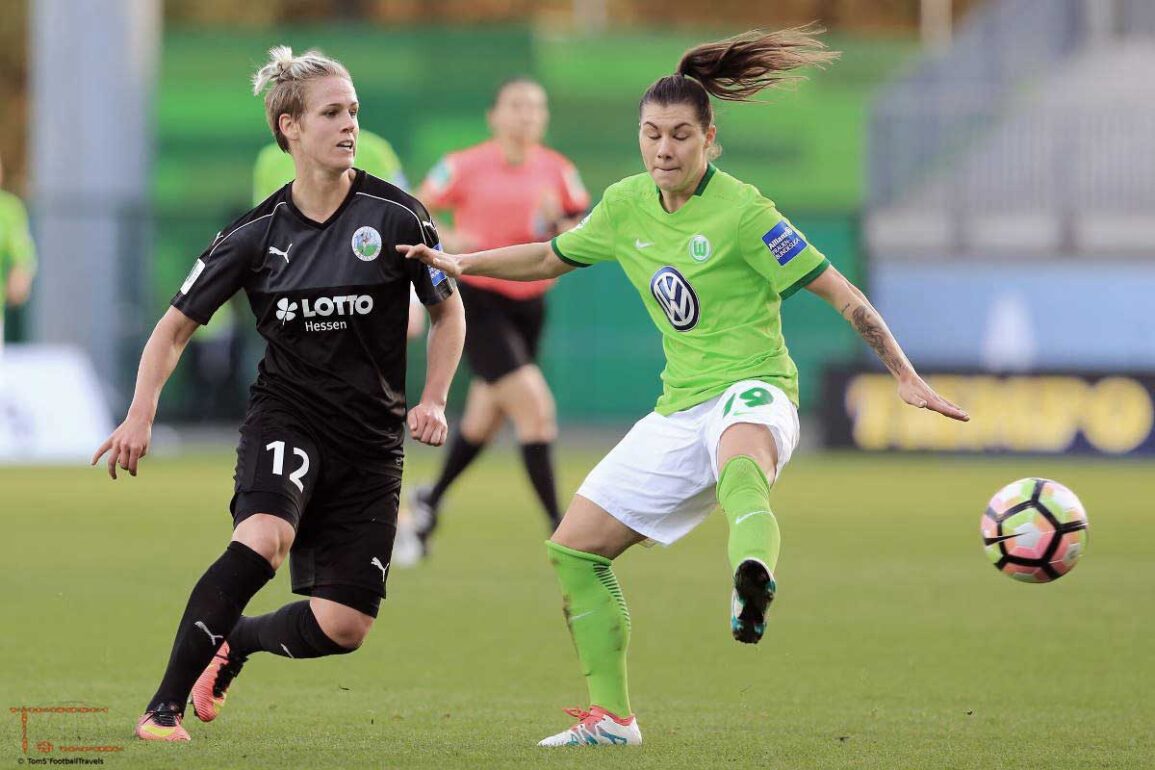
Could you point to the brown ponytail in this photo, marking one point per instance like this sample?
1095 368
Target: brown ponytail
737 68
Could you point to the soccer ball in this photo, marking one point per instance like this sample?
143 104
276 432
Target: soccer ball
1034 530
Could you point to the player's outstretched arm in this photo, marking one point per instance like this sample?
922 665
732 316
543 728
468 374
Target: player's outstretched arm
427 421
523 262
853 305
130 441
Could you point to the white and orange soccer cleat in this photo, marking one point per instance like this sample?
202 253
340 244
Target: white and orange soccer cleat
161 725
597 727
212 686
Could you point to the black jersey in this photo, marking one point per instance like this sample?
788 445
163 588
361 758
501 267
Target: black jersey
331 300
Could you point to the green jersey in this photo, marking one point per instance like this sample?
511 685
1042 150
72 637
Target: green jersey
275 168
16 249
712 276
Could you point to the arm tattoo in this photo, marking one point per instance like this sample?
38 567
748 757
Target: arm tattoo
869 326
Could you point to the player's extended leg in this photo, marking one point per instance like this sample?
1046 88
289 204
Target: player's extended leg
748 461
581 552
524 395
259 545
479 424
312 628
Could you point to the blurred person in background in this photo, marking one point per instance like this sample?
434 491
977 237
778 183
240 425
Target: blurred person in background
216 355
712 259
274 167
509 189
17 253
321 452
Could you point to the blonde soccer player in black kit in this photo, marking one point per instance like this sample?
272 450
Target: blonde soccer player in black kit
320 455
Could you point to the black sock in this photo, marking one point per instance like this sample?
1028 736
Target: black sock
216 602
462 452
291 632
540 468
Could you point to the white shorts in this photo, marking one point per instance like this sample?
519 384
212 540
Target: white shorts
660 479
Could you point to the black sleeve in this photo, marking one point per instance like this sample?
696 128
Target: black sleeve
432 285
220 271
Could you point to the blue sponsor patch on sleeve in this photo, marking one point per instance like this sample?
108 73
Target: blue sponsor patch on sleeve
435 275
784 242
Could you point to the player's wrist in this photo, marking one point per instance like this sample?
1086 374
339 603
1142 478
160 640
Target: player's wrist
140 414
433 401
464 263
907 376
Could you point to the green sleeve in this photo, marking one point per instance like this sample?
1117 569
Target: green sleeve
273 170
590 242
377 156
16 247
777 250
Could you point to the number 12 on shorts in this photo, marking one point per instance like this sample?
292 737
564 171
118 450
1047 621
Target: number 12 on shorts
278 450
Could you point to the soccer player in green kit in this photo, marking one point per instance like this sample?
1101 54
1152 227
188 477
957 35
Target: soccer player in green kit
274 167
17 253
712 260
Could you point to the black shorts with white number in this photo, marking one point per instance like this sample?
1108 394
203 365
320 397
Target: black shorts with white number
344 516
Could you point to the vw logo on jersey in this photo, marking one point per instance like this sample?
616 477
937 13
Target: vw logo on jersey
366 244
700 248
676 297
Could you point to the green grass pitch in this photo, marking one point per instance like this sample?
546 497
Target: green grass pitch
893 644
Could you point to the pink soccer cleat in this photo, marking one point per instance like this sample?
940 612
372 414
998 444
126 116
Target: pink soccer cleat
161 725
211 688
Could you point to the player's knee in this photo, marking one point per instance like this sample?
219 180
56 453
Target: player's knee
537 425
480 433
349 633
267 535
344 625
753 441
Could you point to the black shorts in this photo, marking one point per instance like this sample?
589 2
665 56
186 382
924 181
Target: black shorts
345 518
502 334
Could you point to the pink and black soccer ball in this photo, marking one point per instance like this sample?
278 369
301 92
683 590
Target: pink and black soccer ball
1034 530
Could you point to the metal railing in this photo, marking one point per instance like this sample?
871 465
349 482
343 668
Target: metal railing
931 112
1038 125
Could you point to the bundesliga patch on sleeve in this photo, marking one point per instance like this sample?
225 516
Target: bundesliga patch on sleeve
193 275
784 242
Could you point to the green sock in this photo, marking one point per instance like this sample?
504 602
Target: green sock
744 495
599 623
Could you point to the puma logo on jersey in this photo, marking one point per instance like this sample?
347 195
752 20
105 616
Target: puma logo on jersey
279 253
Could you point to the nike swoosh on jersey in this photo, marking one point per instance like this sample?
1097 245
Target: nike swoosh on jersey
640 244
